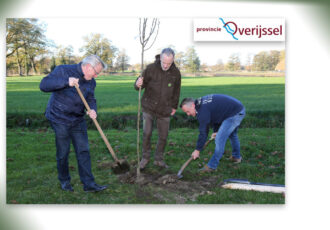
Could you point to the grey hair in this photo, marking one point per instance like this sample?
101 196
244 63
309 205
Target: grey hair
168 52
93 60
187 101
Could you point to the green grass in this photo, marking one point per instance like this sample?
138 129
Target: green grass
263 98
32 174
31 164
256 93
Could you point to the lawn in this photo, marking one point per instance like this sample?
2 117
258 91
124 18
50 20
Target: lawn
256 93
32 175
117 100
31 164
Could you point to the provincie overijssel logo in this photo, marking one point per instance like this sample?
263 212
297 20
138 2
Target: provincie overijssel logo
239 29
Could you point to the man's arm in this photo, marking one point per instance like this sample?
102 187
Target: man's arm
92 101
204 119
141 78
176 92
203 132
56 80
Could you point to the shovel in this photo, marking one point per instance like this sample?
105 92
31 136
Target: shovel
179 175
120 166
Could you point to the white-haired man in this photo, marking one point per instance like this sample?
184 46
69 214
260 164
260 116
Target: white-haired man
161 82
65 112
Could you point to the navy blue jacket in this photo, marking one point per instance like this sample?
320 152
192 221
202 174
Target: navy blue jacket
64 105
212 110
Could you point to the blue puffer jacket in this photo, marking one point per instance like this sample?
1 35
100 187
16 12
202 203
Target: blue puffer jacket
64 105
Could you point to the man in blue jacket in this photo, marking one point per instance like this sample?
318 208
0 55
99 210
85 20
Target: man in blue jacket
65 112
224 114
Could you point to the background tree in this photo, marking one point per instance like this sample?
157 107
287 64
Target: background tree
53 63
192 62
70 55
248 64
25 41
260 61
281 64
204 67
147 33
266 61
97 44
180 60
43 64
273 59
122 61
219 66
233 63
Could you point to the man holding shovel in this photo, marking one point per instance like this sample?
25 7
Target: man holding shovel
65 111
224 114
161 82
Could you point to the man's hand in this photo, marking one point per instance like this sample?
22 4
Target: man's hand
213 135
173 112
139 82
73 81
92 114
195 154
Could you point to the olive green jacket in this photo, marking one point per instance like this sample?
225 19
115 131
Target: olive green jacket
161 89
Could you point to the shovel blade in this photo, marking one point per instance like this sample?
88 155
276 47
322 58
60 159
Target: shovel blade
121 166
179 175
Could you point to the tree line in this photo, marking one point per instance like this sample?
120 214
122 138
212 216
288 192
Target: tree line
29 52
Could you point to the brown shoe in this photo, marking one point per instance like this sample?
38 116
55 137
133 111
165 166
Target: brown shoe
235 160
206 169
161 164
143 163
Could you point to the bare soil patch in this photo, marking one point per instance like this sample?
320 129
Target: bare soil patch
166 187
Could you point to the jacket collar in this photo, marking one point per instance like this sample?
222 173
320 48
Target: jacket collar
198 103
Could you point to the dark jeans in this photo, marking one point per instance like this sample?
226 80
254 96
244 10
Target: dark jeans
163 125
63 136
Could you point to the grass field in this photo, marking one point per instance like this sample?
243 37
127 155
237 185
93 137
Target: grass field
32 175
256 93
31 164
263 98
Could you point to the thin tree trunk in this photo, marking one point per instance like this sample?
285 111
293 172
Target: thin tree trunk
33 65
18 64
142 57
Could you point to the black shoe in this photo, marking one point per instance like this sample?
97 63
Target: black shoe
94 188
66 186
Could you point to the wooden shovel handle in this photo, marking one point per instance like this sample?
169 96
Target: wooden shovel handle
191 158
97 124
185 165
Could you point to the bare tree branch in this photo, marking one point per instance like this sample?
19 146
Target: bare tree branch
145 39
154 39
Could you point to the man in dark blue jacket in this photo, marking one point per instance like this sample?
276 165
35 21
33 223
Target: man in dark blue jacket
65 111
224 114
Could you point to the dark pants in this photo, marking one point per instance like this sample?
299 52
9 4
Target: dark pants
63 136
163 125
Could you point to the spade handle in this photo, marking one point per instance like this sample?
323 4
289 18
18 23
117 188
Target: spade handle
97 124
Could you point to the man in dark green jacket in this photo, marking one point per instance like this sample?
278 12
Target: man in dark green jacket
161 82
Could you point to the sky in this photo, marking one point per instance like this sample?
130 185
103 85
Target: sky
124 34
